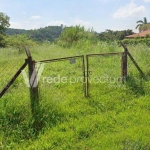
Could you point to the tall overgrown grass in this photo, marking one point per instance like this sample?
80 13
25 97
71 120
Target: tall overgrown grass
113 117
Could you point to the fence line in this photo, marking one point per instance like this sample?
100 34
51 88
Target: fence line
133 60
59 59
33 73
12 79
70 58
102 55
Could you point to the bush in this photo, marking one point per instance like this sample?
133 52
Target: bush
19 41
2 40
135 41
77 36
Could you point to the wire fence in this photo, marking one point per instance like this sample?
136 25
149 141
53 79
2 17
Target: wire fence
104 71
141 56
15 104
17 95
61 77
72 75
138 76
8 69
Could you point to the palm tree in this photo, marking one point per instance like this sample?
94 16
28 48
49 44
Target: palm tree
141 22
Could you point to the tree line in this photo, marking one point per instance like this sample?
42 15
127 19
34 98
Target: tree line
64 36
52 33
49 33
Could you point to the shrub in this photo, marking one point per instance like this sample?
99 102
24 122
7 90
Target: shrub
135 41
19 41
2 40
77 36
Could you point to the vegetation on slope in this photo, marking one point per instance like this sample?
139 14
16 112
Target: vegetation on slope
136 41
49 33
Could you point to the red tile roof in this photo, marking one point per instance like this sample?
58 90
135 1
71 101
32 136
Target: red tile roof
141 34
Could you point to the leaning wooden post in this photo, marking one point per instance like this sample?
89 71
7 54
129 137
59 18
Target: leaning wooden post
133 60
124 64
87 79
32 82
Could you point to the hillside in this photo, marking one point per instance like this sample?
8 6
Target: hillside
49 33
11 31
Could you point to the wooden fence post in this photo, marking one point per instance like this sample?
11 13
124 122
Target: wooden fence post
132 59
124 65
87 77
32 82
136 65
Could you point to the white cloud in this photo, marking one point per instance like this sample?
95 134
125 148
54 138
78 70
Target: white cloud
130 10
15 25
32 24
35 17
79 21
146 0
24 12
124 27
72 22
25 25
55 23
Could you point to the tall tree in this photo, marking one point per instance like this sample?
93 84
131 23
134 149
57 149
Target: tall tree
144 27
141 22
4 22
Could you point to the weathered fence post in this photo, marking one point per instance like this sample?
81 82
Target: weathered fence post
124 65
136 65
127 53
84 76
87 77
32 82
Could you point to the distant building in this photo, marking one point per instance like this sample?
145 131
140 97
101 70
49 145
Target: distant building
140 35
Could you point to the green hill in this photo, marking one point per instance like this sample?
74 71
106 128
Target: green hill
50 33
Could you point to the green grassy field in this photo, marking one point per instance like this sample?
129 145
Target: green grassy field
116 116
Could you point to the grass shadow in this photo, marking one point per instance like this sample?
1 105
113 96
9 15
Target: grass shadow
134 145
135 84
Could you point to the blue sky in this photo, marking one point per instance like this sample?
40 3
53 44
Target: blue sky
99 14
